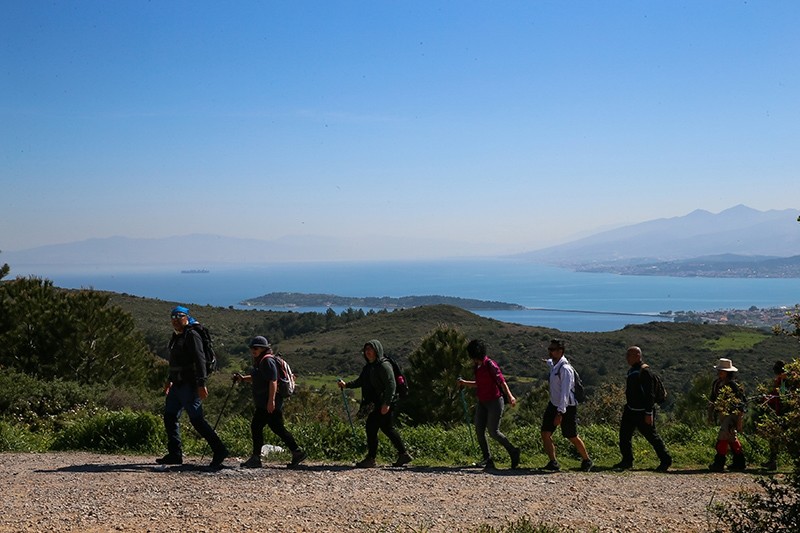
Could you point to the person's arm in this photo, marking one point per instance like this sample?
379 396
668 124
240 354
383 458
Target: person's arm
566 380
507 391
466 383
648 398
389 385
194 344
273 390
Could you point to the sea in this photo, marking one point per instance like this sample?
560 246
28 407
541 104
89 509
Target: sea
553 297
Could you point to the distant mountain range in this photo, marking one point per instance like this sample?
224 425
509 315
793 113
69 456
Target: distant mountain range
737 235
739 241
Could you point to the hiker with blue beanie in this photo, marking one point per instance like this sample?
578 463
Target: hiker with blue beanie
378 386
268 403
186 389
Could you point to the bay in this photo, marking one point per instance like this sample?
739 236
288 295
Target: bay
554 297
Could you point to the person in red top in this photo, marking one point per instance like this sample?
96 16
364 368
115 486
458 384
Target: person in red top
492 391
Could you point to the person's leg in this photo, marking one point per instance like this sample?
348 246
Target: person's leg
387 426
194 408
277 425
172 413
547 433
481 420
626 428
257 430
569 428
494 414
372 425
651 434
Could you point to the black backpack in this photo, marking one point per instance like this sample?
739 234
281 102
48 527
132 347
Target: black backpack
578 391
659 391
577 386
208 346
399 378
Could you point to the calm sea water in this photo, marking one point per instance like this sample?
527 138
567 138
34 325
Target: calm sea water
551 294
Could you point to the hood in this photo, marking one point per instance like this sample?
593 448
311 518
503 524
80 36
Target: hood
376 344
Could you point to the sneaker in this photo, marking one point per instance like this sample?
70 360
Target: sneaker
403 459
488 464
367 462
665 464
553 466
298 457
170 459
219 457
622 465
253 462
514 453
586 465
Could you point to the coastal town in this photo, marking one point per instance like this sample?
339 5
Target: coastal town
766 318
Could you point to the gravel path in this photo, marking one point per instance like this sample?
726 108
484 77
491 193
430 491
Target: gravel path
89 492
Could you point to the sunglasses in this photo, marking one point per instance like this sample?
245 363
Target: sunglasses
177 315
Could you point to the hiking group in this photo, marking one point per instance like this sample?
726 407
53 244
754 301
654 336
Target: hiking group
381 382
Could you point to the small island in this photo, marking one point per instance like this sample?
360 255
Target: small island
297 299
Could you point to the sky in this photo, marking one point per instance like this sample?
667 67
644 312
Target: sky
498 126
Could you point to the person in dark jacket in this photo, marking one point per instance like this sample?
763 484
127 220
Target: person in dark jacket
492 391
186 389
727 404
639 413
268 403
378 386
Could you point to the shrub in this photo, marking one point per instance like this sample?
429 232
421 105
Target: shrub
114 431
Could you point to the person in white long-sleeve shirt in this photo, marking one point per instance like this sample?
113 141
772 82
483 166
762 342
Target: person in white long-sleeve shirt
562 408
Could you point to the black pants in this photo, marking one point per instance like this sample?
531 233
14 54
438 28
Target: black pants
376 421
631 421
274 420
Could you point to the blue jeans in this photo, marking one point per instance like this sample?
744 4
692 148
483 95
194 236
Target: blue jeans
184 397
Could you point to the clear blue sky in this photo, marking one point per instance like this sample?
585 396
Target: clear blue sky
506 126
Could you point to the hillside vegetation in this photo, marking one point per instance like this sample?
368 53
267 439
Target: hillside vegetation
681 352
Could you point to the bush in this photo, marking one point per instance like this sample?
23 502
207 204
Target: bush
114 431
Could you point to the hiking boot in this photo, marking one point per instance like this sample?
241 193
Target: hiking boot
553 466
514 453
253 462
403 459
219 457
298 456
772 464
488 464
664 465
170 459
719 463
738 463
622 465
586 465
367 462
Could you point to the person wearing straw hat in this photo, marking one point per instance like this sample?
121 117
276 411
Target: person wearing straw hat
727 405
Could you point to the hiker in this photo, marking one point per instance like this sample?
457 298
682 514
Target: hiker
492 390
727 405
562 409
268 403
639 413
186 389
776 408
378 387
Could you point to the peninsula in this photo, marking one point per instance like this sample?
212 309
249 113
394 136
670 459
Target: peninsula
297 299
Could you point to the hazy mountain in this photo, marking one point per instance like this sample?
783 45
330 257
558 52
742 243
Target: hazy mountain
739 230
203 251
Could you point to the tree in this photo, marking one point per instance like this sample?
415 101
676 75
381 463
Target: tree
74 335
435 366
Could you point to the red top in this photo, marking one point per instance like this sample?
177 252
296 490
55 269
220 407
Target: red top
488 380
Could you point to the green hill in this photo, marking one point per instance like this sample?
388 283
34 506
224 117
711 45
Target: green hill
679 351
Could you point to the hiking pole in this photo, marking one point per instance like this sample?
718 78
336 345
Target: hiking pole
466 417
219 416
347 410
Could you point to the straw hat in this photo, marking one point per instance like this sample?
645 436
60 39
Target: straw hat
726 365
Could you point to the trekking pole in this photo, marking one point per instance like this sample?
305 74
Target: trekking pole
349 418
219 416
466 418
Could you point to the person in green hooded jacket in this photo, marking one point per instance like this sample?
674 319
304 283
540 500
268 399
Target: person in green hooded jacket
378 387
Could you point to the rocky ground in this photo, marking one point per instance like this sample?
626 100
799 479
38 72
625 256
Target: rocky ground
89 492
